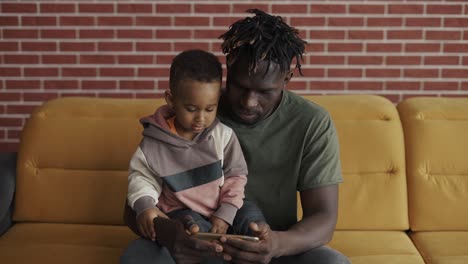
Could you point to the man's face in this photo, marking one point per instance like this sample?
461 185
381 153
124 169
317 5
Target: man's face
254 97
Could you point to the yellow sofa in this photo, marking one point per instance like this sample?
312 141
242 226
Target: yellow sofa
404 199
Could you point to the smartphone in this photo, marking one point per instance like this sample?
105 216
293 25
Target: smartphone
211 236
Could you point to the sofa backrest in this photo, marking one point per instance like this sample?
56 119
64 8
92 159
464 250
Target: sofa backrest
436 131
74 155
73 159
373 194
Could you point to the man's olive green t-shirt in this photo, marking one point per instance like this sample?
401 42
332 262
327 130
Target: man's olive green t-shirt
294 149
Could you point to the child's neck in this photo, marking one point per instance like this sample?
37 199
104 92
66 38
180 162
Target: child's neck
184 134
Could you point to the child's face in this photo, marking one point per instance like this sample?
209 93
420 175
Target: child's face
195 106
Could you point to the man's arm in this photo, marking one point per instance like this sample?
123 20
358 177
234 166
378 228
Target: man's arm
320 207
314 230
320 164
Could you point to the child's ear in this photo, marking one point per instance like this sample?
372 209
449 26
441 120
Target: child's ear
168 97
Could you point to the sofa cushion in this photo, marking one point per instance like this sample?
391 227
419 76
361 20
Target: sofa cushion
442 247
64 243
73 159
436 132
373 195
385 247
59 254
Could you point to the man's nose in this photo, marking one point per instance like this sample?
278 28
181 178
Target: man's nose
249 100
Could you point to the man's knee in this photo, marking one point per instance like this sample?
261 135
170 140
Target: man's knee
142 251
320 255
145 251
324 255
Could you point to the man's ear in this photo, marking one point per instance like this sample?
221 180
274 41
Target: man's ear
168 98
288 77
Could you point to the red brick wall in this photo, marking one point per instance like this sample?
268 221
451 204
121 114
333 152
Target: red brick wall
397 49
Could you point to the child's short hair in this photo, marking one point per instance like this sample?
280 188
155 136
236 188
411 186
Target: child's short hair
197 65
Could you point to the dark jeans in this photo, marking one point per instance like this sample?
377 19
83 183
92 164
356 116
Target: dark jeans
249 212
143 251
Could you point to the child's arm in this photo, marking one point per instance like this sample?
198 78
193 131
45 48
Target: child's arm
145 222
144 186
235 171
218 225
144 189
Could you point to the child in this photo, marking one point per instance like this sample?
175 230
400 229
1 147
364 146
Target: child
188 162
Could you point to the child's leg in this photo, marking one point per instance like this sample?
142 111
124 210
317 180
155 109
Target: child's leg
249 212
201 221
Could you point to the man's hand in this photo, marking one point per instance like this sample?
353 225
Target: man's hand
243 251
218 225
145 222
176 236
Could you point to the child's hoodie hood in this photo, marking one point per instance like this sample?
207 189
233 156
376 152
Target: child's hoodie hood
155 126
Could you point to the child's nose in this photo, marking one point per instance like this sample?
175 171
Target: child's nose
200 117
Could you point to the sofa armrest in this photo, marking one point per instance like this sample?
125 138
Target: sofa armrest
7 188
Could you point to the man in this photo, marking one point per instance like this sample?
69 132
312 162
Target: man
289 143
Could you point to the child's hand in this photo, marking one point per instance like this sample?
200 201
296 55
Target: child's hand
145 222
218 225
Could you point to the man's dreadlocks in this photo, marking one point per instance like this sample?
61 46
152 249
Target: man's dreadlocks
263 37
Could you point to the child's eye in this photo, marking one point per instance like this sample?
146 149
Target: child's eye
210 109
191 109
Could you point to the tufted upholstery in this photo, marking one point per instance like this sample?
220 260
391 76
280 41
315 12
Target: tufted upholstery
436 133
74 158
437 154
373 162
